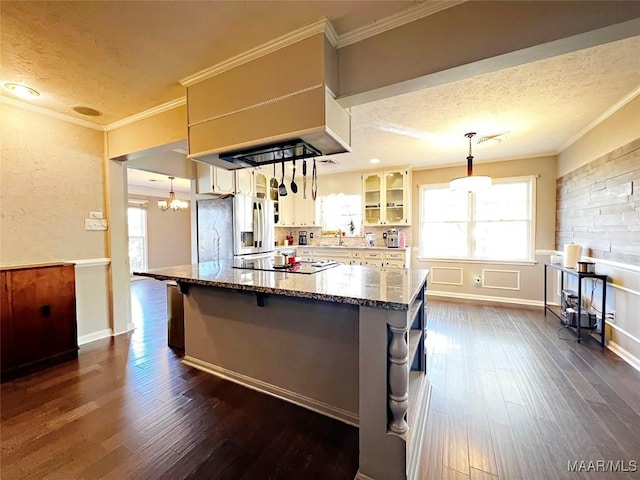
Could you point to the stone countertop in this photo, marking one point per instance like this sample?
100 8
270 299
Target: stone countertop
348 247
386 288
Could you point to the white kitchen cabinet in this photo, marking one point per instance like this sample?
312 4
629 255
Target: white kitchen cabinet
260 184
245 181
296 211
304 211
387 197
285 210
390 258
252 182
214 180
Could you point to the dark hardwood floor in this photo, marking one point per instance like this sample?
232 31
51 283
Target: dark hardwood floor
510 401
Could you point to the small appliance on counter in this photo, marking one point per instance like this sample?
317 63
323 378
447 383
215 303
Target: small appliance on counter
369 237
392 238
302 237
586 267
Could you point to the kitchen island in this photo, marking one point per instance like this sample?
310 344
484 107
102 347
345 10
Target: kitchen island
347 342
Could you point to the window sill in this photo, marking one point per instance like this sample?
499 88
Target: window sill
472 260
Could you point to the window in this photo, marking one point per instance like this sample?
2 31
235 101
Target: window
493 224
340 211
137 226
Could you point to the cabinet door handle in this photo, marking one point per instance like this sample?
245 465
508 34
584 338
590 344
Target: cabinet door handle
45 310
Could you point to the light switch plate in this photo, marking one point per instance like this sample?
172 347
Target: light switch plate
95 224
96 215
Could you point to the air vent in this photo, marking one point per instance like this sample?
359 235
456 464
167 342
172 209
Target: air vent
327 161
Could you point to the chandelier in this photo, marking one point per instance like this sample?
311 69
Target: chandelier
470 183
173 203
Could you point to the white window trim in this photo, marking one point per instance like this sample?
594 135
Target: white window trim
532 230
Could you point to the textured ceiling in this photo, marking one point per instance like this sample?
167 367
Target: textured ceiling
543 105
126 57
122 58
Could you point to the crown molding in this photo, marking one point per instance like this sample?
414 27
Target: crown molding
610 111
290 38
396 20
178 102
50 113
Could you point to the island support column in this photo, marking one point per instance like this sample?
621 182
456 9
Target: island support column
394 392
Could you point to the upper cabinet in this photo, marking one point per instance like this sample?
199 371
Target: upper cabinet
387 197
252 182
214 180
245 181
297 211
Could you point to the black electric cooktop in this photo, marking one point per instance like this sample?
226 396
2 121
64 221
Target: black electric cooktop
307 268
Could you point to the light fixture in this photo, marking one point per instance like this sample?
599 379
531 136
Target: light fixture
374 160
173 203
470 183
21 91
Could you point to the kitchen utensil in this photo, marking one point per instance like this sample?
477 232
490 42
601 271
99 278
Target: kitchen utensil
282 189
294 187
274 180
273 185
304 179
314 181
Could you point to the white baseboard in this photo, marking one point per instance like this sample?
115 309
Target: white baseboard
92 337
362 476
273 390
624 354
486 298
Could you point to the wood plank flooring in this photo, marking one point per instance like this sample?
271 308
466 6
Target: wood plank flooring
515 398
510 401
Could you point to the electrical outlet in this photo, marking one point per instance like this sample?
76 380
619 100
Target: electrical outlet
478 279
95 224
97 215
611 317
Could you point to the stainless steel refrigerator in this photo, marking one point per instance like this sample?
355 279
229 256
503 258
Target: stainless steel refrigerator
233 226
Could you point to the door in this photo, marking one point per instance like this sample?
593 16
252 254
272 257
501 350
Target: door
137 228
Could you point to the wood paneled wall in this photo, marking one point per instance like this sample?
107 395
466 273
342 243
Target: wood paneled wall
598 206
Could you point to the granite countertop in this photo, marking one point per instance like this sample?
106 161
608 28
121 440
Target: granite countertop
386 288
349 247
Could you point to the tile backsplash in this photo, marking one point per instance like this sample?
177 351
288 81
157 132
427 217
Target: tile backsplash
282 232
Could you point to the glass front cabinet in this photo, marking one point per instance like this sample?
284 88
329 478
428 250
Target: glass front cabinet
387 197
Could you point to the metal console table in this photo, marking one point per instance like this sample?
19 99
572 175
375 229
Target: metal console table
580 275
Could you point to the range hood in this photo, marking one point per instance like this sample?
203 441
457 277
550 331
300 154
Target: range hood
296 149
307 124
275 107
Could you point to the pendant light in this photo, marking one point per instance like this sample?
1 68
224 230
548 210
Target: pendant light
173 203
470 183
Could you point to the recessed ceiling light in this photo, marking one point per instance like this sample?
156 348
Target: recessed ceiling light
374 160
91 112
21 91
